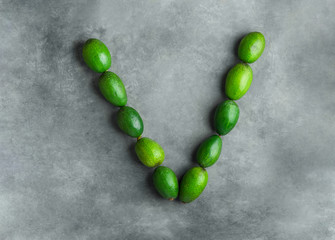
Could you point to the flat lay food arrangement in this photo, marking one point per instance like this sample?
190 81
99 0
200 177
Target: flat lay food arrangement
239 78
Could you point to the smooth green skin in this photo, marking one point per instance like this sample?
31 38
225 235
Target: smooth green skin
251 47
193 184
130 122
96 55
113 89
238 81
209 151
226 116
166 182
150 153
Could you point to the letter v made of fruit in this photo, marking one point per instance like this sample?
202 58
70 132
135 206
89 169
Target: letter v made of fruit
149 152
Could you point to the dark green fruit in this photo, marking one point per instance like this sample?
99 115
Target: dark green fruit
238 81
251 47
150 153
226 116
96 55
113 89
193 184
130 121
209 151
166 182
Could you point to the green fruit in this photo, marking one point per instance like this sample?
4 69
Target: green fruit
209 151
130 121
150 153
251 47
113 89
166 182
96 55
238 81
226 116
193 183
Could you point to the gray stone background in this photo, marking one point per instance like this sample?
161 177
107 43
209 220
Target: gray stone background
67 172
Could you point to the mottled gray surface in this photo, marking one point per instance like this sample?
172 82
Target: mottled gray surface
67 172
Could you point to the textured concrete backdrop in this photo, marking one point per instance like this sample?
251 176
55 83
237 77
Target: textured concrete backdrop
67 172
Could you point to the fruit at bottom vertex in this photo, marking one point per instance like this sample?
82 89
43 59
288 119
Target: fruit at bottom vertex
193 184
166 182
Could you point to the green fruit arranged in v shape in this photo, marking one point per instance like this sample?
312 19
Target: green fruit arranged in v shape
238 81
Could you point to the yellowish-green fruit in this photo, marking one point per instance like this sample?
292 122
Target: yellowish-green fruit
193 184
150 153
251 47
238 81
